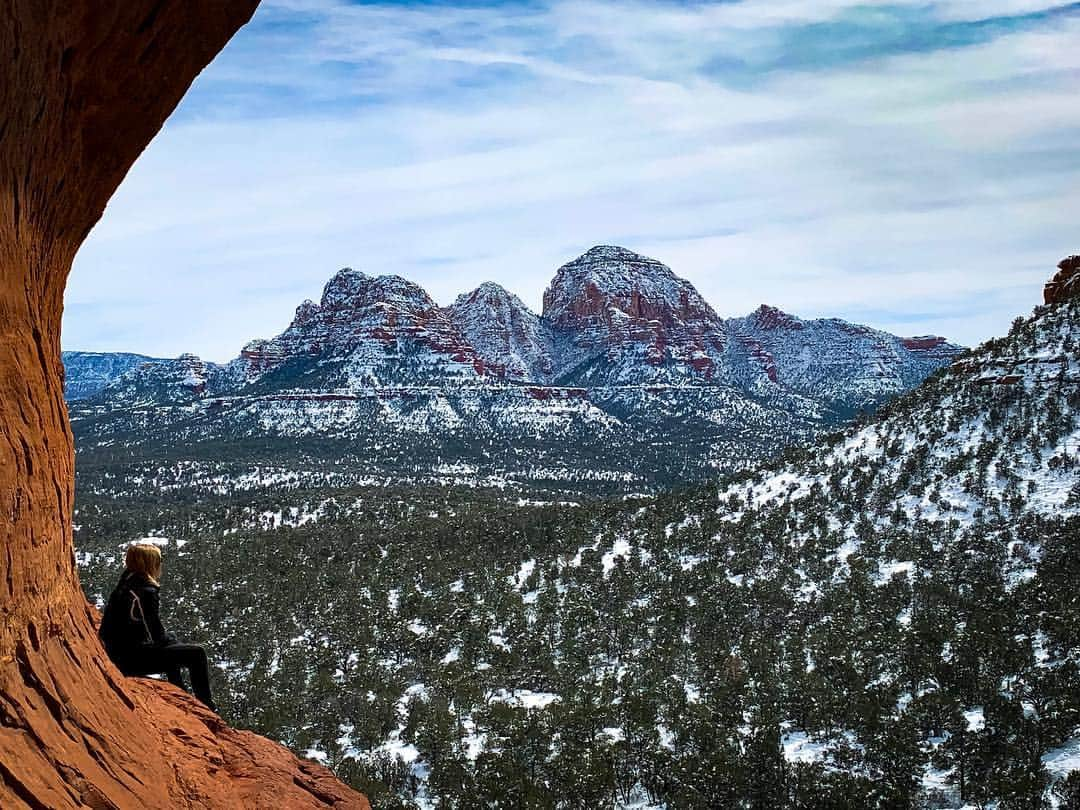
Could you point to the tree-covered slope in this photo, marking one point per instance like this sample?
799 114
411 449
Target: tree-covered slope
990 438
87 373
887 619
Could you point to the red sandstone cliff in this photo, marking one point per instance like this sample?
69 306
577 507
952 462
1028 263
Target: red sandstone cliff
1066 282
86 85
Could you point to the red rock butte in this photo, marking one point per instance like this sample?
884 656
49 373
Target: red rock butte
1066 282
87 85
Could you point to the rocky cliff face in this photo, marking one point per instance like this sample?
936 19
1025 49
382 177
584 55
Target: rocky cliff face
371 320
1066 282
625 355
608 281
86 85
611 318
611 305
511 341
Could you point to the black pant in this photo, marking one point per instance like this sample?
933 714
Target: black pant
170 659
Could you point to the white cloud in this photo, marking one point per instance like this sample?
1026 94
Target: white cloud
920 191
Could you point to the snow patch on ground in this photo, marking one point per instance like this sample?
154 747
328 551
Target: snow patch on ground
525 698
620 548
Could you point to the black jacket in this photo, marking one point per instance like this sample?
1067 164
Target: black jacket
132 620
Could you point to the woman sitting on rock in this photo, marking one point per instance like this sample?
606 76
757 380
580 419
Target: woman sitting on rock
133 634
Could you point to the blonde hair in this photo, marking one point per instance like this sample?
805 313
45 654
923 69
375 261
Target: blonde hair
145 559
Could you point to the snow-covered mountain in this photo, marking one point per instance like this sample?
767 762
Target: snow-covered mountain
628 374
89 372
372 330
831 360
511 340
620 317
994 435
179 380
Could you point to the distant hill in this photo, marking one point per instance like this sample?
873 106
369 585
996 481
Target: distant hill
885 617
628 380
87 373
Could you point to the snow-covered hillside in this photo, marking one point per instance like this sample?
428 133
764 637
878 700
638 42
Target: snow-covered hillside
628 376
843 363
86 373
942 540
991 437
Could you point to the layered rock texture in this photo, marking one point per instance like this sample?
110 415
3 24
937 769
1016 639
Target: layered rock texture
611 317
1065 284
514 342
86 86
626 379
611 301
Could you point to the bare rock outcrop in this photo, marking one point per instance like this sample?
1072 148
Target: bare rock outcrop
1066 282
86 86
364 316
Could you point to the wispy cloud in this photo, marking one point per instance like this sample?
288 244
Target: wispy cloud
911 164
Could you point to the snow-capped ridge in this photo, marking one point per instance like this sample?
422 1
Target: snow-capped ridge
618 315
87 373
490 293
770 317
607 281
620 332
354 289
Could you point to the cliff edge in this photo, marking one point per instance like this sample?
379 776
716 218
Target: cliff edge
86 85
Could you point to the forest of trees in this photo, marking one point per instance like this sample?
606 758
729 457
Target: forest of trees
677 667
884 620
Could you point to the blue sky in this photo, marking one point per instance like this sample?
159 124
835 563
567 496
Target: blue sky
910 165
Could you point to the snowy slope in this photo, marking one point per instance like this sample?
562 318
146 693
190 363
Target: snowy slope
628 374
89 372
943 532
995 432
830 359
512 340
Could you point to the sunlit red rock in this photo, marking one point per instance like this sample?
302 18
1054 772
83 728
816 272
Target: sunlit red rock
86 85
1066 282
